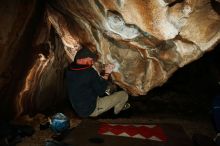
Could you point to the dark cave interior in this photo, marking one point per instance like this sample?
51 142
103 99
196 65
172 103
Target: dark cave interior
189 92
33 58
194 83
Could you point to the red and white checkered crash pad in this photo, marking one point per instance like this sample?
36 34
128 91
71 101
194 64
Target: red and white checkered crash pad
152 132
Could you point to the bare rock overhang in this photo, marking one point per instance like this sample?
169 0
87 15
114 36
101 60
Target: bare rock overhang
146 40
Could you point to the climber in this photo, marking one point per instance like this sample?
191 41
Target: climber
86 86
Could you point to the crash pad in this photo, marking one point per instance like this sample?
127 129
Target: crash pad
93 132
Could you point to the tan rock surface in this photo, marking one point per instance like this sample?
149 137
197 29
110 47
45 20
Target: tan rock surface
147 40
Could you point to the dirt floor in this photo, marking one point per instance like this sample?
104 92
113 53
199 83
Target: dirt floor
192 113
191 126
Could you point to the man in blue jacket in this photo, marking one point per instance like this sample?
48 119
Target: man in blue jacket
86 86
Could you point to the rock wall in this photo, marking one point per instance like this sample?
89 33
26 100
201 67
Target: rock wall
32 60
19 19
147 40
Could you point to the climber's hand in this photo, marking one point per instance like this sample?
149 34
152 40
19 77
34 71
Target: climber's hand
109 68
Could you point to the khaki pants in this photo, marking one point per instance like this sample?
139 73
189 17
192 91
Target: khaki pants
116 100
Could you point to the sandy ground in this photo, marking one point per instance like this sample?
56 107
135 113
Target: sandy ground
190 126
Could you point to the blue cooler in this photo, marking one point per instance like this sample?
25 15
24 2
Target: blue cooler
59 123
